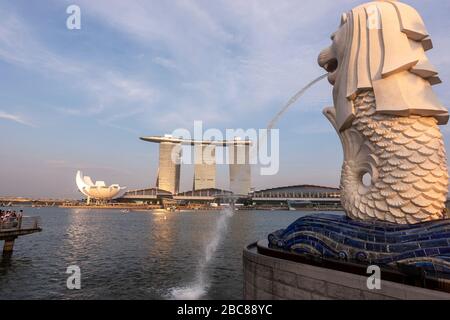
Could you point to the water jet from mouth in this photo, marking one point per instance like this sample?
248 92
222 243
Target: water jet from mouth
293 100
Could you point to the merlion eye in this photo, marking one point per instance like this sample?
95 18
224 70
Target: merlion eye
344 18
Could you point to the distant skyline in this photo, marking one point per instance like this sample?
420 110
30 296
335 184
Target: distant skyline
80 99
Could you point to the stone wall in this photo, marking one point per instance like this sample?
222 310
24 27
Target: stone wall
268 278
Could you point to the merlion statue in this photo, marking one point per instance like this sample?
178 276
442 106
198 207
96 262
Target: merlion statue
387 115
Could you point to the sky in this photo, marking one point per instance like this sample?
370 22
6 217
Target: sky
80 99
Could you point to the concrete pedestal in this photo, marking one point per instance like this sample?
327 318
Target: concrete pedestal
270 278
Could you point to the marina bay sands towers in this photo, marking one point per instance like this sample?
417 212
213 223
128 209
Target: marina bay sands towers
240 173
205 167
204 163
169 169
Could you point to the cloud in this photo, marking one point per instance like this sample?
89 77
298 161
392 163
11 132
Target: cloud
111 121
228 56
166 63
15 118
218 59
107 88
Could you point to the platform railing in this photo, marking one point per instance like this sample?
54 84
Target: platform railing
21 223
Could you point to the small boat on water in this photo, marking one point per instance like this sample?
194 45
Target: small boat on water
125 211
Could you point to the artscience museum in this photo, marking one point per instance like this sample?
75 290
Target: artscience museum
96 191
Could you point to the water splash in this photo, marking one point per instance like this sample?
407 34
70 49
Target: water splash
200 287
192 292
293 100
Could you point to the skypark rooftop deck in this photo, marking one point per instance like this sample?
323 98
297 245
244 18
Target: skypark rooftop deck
161 139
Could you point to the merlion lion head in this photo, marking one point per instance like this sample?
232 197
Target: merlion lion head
381 46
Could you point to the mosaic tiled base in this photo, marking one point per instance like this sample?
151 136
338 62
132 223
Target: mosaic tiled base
425 245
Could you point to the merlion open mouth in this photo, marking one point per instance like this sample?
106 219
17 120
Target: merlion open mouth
331 66
328 61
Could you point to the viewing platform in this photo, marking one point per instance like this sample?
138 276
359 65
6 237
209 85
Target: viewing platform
193 142
11 230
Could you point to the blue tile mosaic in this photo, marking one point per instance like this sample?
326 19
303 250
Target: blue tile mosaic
425 245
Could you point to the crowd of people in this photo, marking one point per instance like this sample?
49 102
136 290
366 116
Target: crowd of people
10 218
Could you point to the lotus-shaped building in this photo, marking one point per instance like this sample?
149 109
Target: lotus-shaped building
97 190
